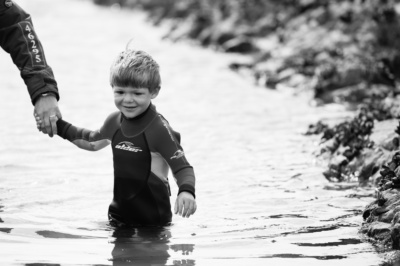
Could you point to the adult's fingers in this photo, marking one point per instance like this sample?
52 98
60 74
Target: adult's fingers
47 125
58 113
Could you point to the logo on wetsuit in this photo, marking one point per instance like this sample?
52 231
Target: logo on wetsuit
8 3
127 146
178 154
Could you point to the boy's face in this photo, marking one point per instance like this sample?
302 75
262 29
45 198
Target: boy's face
132 101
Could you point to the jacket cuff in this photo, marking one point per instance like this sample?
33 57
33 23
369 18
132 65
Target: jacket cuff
46 89
187 188
39 82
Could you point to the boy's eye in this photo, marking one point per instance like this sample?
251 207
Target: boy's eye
118 92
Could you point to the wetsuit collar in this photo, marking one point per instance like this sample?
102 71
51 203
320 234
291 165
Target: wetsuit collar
132 127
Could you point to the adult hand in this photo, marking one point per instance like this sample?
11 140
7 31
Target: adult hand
46 108
185 204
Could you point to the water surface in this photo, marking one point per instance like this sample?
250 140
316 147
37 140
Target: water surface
262 199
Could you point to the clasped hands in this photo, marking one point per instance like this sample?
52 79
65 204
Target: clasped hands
47 113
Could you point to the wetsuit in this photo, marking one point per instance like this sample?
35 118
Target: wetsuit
144 148
19 39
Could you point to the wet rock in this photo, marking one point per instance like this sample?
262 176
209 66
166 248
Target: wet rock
395 236
347 16
271 81
357 148
223 37
318 128
382 220
393 63
386 208
239 45
369 163
357 74
378 231
396 218
359 93
345 143
104 2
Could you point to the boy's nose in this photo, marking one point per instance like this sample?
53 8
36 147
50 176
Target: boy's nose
129 98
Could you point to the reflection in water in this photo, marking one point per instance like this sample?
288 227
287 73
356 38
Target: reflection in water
42 264
141 246
146 246
53 234
186 249
4 229
278 216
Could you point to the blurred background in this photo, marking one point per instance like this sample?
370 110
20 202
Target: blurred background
320 45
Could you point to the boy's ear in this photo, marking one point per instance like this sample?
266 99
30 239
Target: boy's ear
155 93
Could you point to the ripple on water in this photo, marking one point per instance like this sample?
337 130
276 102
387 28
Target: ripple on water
346 241
54 234
300 256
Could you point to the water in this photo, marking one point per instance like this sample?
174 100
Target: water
262 199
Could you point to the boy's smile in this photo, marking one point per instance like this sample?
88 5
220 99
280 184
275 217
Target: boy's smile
132 101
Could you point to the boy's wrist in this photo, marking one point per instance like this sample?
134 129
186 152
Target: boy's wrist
62 127
187 188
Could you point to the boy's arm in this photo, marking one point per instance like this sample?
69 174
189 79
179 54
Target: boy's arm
164 140
81 137
167 142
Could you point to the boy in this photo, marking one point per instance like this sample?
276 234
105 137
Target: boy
143 145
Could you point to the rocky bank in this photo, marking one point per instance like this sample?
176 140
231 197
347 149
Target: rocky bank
345 51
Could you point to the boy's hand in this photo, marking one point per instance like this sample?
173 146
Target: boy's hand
185 204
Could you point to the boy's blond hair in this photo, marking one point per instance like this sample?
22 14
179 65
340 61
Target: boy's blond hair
135 69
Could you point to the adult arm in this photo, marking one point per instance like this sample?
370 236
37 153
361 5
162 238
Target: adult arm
19 39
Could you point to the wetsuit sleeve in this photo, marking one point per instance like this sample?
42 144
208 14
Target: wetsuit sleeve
88 139
19 39
164 140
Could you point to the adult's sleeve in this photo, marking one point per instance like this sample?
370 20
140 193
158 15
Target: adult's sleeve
18 38
164 140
